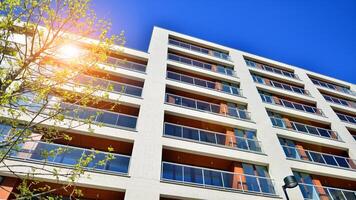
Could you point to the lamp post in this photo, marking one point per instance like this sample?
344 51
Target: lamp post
289 182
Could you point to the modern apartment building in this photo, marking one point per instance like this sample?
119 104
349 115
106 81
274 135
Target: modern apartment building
198 120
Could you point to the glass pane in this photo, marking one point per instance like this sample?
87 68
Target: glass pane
200 82
211 85
207 137
350 195
172 172
119 164
213 178
193 175
300 127
241 143
243 114
299 107
95 162
190 133
127 121
215 108
203 106
235 91
42 150
226 88
107 118
288 104
342 162
170 129
134 91
323 132
84 113
316 157
69 156
312 130
309 109
276 84
187 79
173 76
329 160
287 87
291 152
336 194
188 103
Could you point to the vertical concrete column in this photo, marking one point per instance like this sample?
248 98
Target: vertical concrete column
336 123
145 166
278 168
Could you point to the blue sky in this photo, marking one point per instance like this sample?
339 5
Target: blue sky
318 35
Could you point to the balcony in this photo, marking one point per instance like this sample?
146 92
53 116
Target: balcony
339 101
271 69
314 192
204 106
198 49
346 118
280 85
316 187
210 137
333 87
69 193
203 65
218 179
69 156
319 158
217 86
126 64
305 129
116 87
99 116
292 105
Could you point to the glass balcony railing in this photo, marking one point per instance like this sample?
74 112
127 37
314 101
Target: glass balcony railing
320 158
204 83
99 116
314 192
121 88
217 179
279 85
306 129
347 118
126 64
195 48
214 68
207 107
292 105
340 101
203 136
69 156
333 87
271 69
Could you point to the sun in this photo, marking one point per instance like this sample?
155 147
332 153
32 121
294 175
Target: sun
69 51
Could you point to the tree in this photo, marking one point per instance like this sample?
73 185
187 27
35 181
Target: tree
45 51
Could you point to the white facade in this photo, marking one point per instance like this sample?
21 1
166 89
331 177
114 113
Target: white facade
144 178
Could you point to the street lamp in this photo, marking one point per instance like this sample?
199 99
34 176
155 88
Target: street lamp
289 182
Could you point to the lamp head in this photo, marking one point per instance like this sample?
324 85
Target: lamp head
290 182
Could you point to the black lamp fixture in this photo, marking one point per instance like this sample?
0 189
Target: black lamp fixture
289 182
